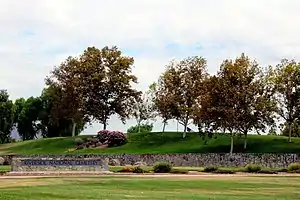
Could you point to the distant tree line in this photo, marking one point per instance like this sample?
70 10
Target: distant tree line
240 98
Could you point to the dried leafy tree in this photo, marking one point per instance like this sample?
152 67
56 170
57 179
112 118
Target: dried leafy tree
180 85
66 79
205 112
248 102
285 78
163 104
106 83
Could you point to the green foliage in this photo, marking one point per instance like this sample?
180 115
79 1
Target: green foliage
253 168
295 132
210 169
142 128
27 117
179 171
7 111
138 170
78 141
162 167
294 167
224 171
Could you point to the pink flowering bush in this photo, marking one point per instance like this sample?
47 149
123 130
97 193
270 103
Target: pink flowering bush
112 138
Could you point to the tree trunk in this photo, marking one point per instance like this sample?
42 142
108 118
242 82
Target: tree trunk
245 140
231 142
139 127
164 126
290 132
73 129
104 126
185 128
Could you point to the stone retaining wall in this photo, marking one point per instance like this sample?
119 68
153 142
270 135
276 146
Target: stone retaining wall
188 160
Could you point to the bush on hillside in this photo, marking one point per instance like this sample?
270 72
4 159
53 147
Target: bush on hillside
144 128
112 138
138 170
294 167
162 167
78 141
210 169
253 168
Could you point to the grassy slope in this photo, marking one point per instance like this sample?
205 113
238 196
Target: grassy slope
218 188
160 143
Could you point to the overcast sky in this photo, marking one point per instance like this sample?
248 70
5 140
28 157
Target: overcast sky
36 35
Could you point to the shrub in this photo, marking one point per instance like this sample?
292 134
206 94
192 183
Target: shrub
268 172
253 168
126 169
210 169
179 171
112 138
224 171
144 128
78 141
162 167
138 170
294 167
282 170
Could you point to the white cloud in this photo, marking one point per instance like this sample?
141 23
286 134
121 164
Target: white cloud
36 35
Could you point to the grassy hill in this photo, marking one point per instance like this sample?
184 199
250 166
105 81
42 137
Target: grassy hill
155 143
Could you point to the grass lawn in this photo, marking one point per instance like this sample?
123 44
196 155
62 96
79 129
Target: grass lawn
5 168
158 143
92 188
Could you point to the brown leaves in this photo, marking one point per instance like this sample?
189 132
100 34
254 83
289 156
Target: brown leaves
97 83
178 88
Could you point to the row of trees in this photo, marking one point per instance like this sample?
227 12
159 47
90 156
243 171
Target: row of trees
242 97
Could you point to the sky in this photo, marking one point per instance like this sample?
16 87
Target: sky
37 35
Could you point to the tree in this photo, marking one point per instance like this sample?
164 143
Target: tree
50 124
163 103
106 83
247 102
66 81
286 80
7 111
205 113
180 84
27 117
143 109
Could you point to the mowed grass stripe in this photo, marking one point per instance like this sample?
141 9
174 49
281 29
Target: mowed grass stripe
152 188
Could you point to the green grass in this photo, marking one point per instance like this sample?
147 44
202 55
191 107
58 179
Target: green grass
5 168
116 188
157 143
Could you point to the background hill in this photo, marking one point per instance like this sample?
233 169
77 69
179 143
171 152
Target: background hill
158 143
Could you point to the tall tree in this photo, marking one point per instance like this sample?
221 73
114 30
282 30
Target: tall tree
163 104
27 117
7 111
107 83
286 79
52 124
181 82
66 80
205 112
